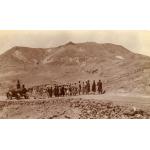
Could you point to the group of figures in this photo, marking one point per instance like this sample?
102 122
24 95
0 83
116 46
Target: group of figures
72 89
18 92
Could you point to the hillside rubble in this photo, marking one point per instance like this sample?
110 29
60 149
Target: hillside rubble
108 110
69 109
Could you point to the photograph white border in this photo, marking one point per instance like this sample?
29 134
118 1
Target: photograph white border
74 15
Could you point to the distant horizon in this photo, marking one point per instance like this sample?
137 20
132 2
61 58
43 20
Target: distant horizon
135 41
67 43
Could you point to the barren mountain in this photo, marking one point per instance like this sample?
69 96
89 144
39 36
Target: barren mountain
118 68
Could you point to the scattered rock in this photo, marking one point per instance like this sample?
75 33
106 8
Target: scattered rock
70 109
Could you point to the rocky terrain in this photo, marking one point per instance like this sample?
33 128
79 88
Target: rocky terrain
70 108
119 69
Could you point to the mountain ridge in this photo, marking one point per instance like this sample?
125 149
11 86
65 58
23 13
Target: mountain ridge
72 62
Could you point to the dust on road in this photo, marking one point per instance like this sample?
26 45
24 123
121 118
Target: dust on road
83 107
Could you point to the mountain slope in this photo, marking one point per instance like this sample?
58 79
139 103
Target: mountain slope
118 68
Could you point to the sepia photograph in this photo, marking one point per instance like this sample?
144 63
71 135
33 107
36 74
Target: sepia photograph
74 74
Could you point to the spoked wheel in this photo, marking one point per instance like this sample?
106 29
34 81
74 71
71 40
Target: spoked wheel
9 96
17 96
26 96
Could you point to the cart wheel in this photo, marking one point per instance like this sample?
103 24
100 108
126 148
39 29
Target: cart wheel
9 96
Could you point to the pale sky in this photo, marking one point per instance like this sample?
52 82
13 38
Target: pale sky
136 41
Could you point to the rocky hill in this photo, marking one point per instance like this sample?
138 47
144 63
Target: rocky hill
118 68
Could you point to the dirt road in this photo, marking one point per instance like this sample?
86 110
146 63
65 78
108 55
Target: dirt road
127 99
83 106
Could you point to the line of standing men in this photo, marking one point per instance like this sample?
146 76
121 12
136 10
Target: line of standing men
75 89
87 88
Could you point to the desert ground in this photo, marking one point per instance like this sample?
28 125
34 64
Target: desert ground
106 106
120 69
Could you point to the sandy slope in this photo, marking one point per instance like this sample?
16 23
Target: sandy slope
119 69
86 106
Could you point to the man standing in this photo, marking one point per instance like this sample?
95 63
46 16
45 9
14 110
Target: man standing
94 87
99 85
18 84
50 91
79 88
83 88
70 90
55 91
75 89
62 91
88 86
